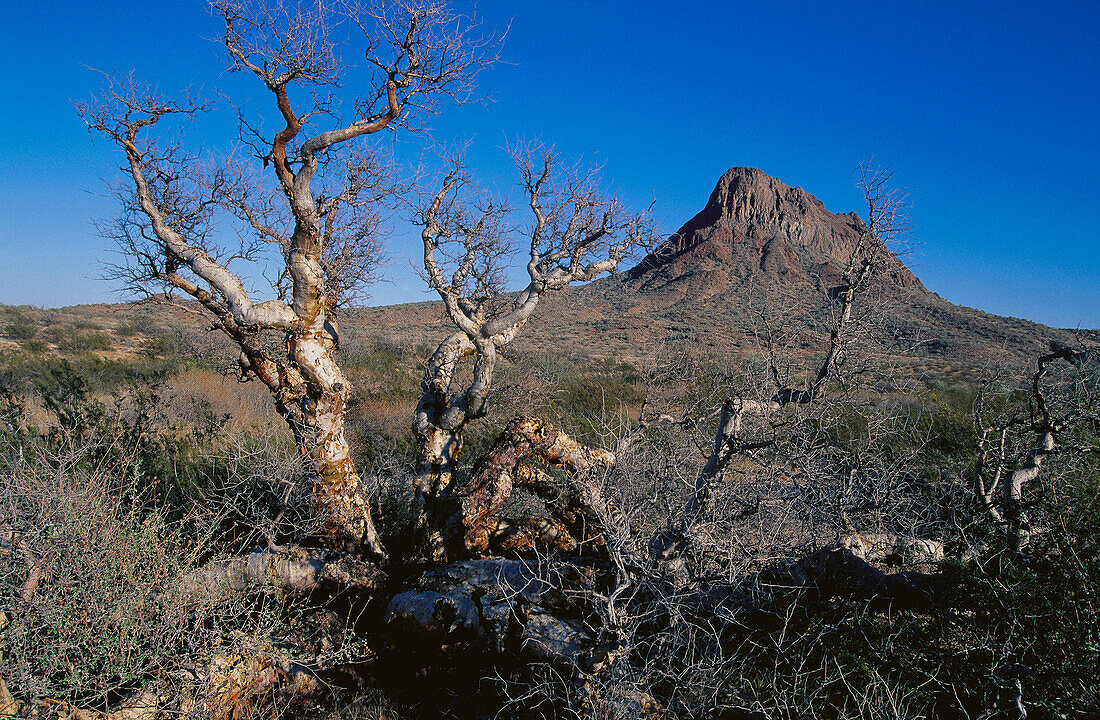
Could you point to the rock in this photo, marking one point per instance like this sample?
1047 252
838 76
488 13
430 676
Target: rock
756 228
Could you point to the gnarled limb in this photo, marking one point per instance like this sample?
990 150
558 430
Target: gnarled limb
291 570
577 234
1047 426
318 212
468 518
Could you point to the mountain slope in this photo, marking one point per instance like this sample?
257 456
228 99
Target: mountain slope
763 252
759 253
757 229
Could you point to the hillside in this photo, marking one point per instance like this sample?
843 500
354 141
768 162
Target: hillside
759 251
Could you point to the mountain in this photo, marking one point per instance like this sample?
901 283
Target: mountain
756 230
762 252
760 256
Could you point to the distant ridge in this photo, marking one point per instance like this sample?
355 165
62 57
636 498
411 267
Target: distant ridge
759 249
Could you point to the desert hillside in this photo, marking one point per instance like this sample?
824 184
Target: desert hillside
713 485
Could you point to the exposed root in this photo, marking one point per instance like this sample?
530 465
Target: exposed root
289 570
495 611
474 525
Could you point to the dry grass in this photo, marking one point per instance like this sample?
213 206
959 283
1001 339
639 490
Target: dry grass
194 392
391 416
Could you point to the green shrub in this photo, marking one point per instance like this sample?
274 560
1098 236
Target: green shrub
139 324
93 626
20 326
589 400
72 339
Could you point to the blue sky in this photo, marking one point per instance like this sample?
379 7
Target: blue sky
988 113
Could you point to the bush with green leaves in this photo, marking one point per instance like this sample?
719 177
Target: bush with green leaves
19 325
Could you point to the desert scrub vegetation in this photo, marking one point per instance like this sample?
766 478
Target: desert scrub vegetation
760 539
85 562
18 324
122 504
109 508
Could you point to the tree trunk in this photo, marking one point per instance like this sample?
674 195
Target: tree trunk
470 520
1016 520
438 426
315 405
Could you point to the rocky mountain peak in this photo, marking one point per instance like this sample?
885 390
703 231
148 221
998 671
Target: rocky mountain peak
755 226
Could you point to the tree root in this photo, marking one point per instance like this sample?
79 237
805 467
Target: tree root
499 610
289 570
473 524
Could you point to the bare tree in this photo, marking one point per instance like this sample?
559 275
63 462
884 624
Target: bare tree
1014 443
529 591
887 223
575 234
316 198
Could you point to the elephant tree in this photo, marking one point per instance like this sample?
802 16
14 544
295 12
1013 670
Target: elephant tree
552 591
309 193
575 234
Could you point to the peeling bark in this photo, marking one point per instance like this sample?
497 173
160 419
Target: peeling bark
338 488
1047 426
577 234
470 522
883 547
1016 519
438 427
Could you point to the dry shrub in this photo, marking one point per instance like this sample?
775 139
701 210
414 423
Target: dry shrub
388 415
82 558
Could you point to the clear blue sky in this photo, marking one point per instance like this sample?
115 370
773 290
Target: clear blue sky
988 112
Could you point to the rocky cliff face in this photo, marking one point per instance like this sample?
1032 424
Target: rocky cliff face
756 228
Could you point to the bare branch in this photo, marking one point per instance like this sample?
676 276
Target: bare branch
317 203
577 234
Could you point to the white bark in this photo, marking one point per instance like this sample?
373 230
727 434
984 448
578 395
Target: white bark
290 570
576 235
1019 526
418 54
